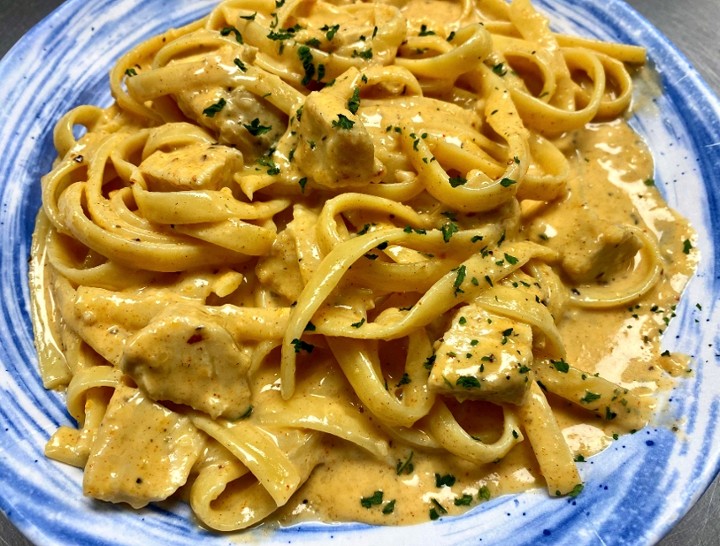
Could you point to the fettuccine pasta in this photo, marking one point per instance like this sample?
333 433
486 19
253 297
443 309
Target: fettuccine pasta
411 246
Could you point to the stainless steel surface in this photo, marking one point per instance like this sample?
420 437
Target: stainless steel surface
691 25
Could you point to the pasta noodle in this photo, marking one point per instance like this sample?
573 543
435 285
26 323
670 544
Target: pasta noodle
322 241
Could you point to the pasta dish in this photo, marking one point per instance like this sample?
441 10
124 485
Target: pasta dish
413 246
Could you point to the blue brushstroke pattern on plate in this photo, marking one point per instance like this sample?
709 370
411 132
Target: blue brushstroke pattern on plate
635 490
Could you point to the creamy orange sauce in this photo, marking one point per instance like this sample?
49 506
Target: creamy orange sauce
613 168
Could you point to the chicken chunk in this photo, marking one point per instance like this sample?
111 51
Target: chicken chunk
194 167
335 149
143 451
183 355
483 356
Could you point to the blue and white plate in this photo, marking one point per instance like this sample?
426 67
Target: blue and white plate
635 490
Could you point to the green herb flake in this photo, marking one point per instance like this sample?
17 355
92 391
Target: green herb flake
444 479
306 58
406 466
465 500
589 397
354 102
459 278
429 362
255 129
301 345
358 323
302 182
213 109
375 499
425 32
507 182
366 54
576 490
484 493
560 365
499 69
226 31
512 260
448 230
468 382
250 17
330 31
437 510
687 246
240 64
343 122
456 181
650 182
389 507
130 72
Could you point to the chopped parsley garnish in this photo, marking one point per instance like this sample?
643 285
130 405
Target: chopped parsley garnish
313 42
450 36
576 490
446 479
343 122
330 31
406 466
437 510
589 397
250 17
373 500
306 58
283 34
560 365
389 507
499 69
366 54
456 181
267 161
358 323
468 382
354 102
484 493
255 129
240 64
512 260
425 32
248 412
448 230
232 30
465 500
301 345
650 182
429 362
687 246
459 278
507 182
213 109
310 327
130 72
302 182
364 229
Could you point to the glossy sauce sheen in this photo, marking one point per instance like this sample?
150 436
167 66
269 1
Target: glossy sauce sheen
614 169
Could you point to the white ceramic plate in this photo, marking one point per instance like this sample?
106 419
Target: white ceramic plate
635 490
